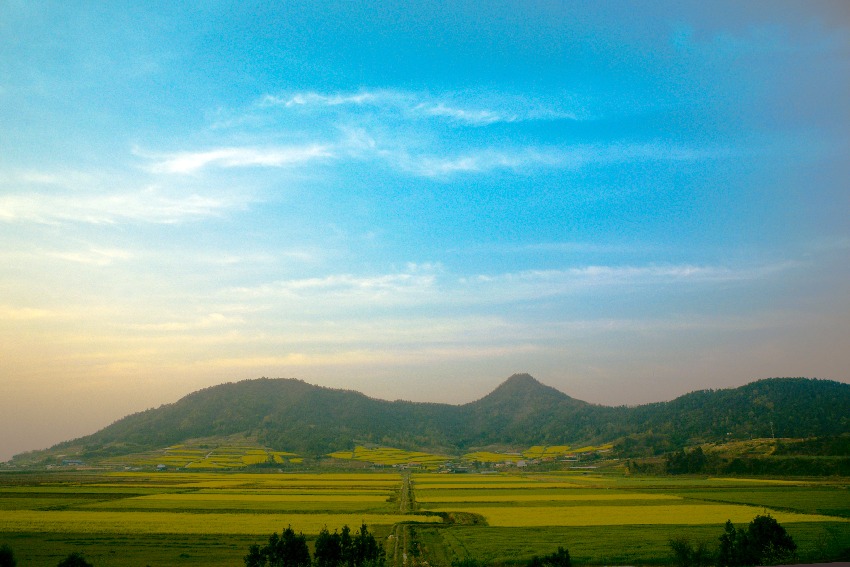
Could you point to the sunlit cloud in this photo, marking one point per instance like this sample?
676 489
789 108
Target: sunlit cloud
390 287
211 321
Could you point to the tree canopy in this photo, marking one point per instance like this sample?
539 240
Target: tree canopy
764 542
338 549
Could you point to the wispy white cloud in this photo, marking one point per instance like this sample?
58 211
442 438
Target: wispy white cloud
462 109
190 162
555 281
435 287
93 256
211 321
318 99
110 197
148 205
385 287
555 157
477 116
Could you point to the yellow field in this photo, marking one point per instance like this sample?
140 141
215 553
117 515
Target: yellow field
389 456
430 478
546 451
202 456
301 497
188 523
281 480
490 457
206 503
551 497
520 483
512 516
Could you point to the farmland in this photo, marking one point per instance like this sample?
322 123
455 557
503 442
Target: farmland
388 456
215 455
610 518
210 518
44 516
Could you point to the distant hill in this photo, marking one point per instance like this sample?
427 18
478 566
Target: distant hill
291 415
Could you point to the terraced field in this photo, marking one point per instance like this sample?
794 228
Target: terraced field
205 456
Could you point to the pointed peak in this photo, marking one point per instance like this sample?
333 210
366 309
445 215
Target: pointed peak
522 378
524 384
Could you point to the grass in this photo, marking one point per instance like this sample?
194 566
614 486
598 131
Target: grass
829 500
614 545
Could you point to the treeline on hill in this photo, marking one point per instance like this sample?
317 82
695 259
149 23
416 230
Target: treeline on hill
291 415
828 456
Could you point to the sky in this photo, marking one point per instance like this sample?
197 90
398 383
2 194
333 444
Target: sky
415 200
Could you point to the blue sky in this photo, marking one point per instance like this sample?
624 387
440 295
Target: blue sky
416 200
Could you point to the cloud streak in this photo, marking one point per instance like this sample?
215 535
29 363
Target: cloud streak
146 206
574 157
466 110
53 197
191 162
432 288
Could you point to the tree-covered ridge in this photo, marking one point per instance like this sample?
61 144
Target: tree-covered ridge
291 415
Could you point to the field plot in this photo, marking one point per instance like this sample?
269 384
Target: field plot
213 456
388 456
152 506
606 519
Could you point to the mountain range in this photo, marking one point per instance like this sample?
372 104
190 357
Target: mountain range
292 415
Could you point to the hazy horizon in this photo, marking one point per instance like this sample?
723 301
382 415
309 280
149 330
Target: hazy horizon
627 201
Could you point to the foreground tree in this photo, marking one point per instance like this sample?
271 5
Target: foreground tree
331 550
366 551
764 542
288 550
560 558
75 559
687 555
328 549
7 557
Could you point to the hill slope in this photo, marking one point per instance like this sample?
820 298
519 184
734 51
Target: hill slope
288 414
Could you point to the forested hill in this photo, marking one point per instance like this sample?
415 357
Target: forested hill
288 414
